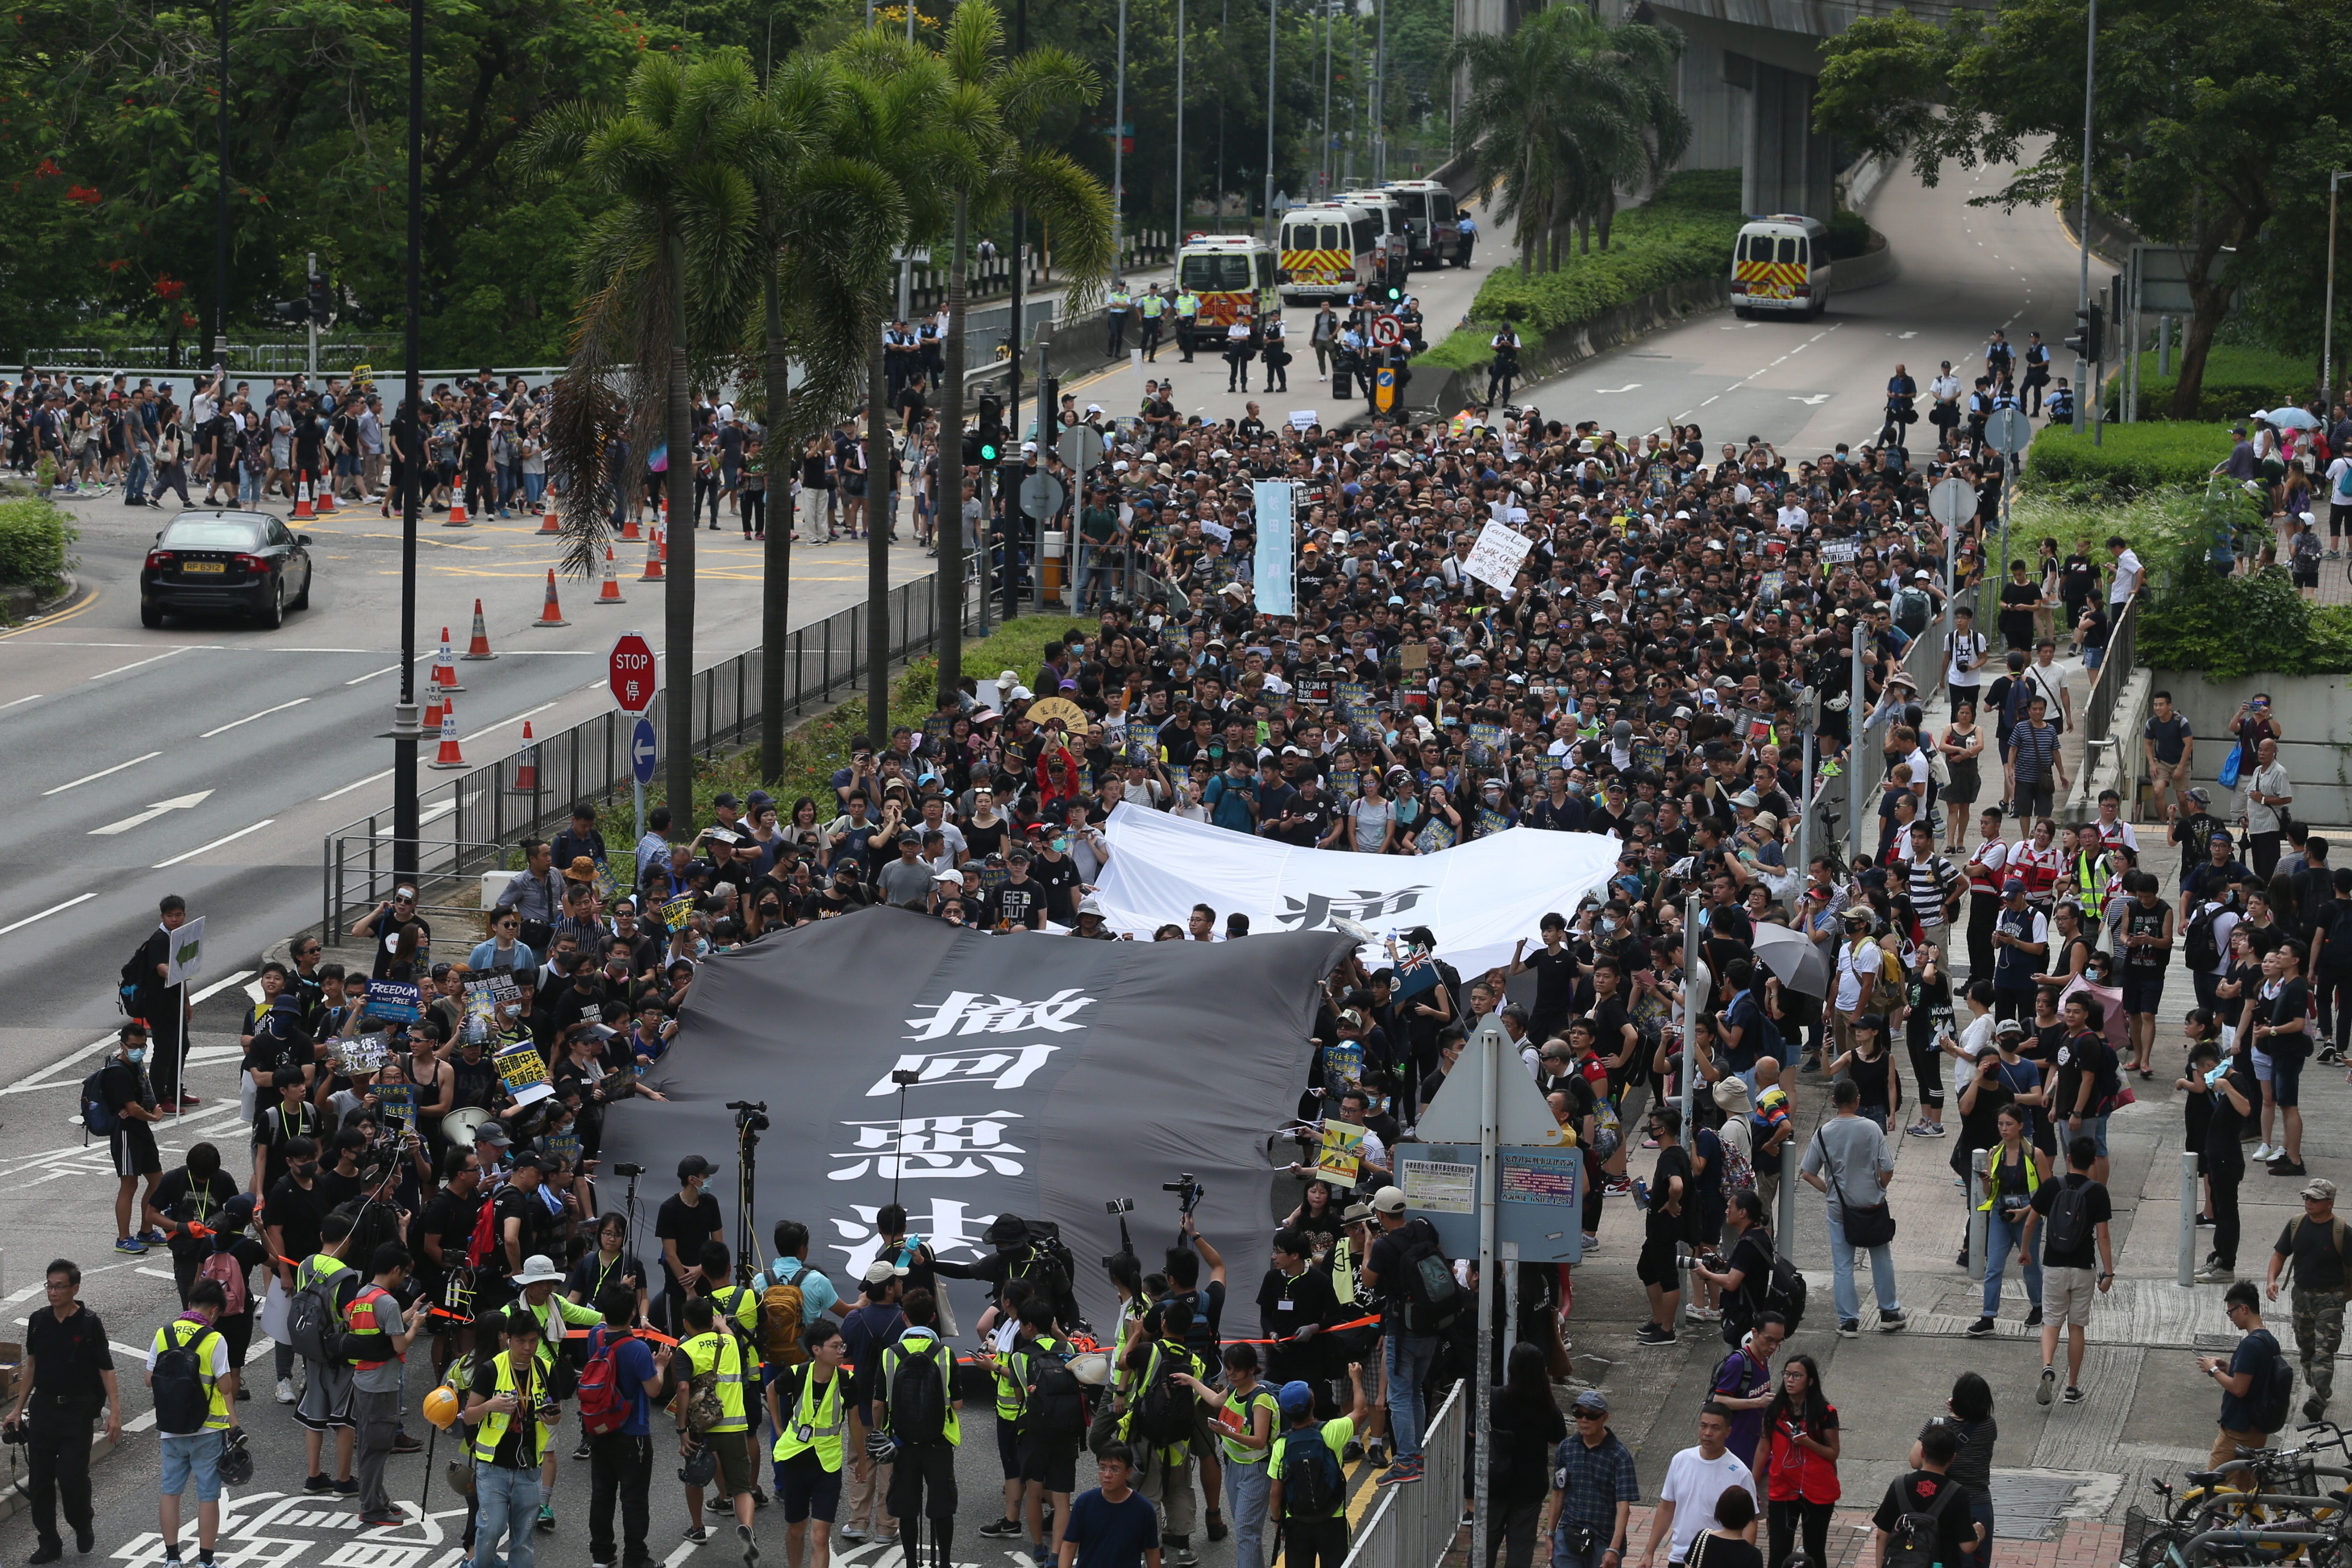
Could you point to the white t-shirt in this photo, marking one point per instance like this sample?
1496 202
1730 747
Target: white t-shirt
1964 644
1695 1484
1975 1039
2128 572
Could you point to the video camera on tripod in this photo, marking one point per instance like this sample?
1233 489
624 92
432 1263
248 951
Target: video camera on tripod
750 1116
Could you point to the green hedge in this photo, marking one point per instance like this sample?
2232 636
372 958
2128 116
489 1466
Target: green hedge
2237 381
33 539
2230 628
2126 459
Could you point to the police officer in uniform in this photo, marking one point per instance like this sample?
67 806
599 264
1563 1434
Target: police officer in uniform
1504 369
1188 309
1152 306
2037 372
1117 307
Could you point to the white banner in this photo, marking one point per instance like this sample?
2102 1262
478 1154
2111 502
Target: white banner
1479 897
1496 557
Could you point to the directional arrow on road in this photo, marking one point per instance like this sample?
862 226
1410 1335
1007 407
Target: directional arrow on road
152 811
1607 391
1815 400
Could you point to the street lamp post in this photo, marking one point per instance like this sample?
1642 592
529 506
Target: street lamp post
2328 322
406 733
1176 235
2084 390
220 235
1117 182
1271 15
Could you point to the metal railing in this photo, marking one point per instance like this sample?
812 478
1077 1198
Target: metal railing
2114 669
1414 1527
471 821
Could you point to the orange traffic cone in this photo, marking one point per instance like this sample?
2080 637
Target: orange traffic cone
448 756
327 499
657 549
456 517
444 667
526 779
548 522
551 613
435 706
480 646
612 593
302 512
630 531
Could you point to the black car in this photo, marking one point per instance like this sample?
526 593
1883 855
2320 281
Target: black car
244 561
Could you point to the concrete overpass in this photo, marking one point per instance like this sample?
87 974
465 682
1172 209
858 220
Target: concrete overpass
1746 79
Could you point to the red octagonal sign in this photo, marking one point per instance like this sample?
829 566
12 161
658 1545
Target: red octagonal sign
633 677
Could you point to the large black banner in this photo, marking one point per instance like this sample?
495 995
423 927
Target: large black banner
1055 1074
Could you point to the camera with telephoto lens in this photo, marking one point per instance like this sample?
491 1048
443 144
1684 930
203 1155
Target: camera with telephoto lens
626 1168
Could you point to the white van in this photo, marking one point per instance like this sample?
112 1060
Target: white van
1782 264
1326 250
1393 262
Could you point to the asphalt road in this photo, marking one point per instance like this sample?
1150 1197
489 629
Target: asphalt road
1807 385
211 757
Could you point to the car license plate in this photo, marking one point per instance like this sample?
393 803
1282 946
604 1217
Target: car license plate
212 566
1772 290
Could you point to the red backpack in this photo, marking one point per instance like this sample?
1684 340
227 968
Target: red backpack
483 1242
604 1409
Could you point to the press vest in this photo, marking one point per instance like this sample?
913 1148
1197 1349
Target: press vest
719 1352
819 1418
494 1422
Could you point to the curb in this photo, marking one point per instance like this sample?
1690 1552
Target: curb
20 605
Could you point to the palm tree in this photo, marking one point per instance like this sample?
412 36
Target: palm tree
667 273
892 107
829 221
995 106
1562 113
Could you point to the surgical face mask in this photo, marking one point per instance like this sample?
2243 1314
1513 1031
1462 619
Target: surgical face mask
136 1055
1060 843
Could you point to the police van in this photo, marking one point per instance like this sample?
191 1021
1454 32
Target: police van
1432 221
1780 264
1232 274
1391 259
1326 250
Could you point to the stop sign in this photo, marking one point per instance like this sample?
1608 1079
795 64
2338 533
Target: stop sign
632 673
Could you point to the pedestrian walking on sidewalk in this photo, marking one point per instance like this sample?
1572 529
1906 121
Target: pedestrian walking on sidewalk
2243 1377
2312 1248
1798 1459
2078 1262
1848 1164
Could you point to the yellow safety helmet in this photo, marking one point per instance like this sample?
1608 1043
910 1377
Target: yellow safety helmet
441 1407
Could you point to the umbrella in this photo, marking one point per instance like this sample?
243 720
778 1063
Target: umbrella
1791 955
2287 419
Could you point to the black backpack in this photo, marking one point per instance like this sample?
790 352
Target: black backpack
1786 1293
1430 1299
97 1114
1312 1487
1918 1539
2070 1219
1055 1403
181 1401
2203 952
2273 1393
918 1398
1163 1407
314 1323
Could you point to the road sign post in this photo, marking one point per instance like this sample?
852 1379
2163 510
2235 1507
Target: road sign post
644 752
2010 433
184 962
1951 502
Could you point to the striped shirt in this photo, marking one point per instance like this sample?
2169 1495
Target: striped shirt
2034 750
1932 881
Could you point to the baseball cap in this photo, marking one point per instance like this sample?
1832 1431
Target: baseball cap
2014 885
1389 1200
493 1133
2319 1187
1592 1399
2009 1026
693 1165
1295 1398
880 1270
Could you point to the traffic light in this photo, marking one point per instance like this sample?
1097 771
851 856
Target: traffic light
2089 338
1396 293
294 311
320 300
991 426
1049 406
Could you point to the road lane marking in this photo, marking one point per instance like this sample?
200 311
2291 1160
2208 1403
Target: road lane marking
231 839
177 803
249 718
45 914
120 668
101 773
361 783
516 720
35 697
371 674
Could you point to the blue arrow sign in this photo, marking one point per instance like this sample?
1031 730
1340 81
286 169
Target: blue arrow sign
642 751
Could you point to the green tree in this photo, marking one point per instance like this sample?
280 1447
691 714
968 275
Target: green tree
668 274
2189 140
995 109
1561 114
